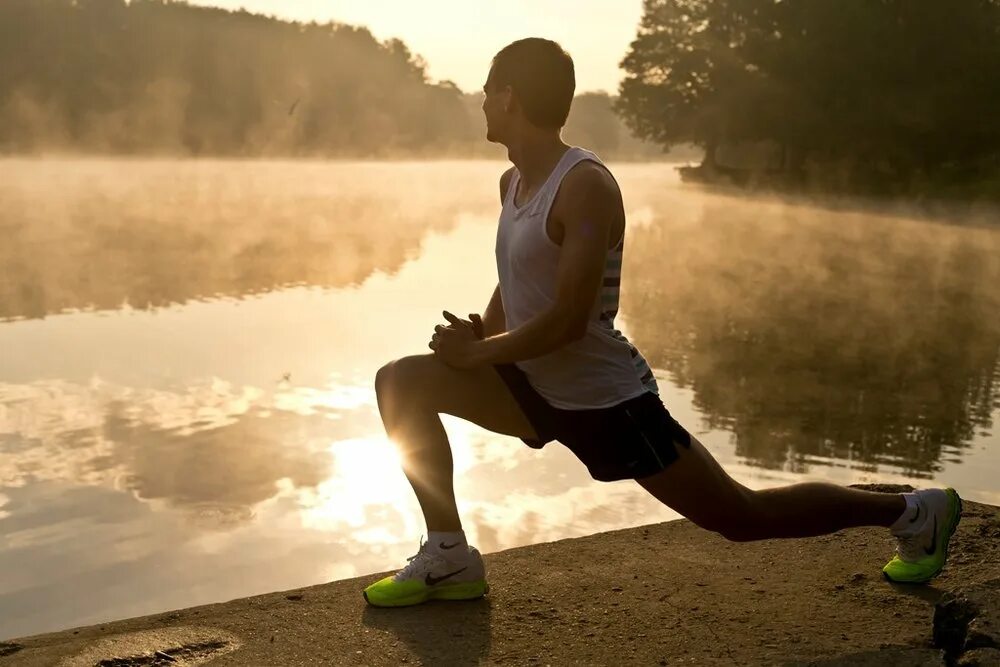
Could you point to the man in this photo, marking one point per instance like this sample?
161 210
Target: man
545 362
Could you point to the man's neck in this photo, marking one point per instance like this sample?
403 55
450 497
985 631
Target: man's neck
535 156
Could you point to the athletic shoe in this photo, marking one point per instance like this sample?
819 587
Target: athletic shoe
431 576
922 551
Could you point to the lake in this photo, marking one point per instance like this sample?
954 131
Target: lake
188 350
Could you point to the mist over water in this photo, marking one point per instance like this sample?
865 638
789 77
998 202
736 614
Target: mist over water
101 234
187 352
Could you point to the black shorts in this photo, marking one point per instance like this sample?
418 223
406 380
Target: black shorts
633 439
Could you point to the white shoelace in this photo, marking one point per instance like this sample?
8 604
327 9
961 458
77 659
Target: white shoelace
911 548
423 559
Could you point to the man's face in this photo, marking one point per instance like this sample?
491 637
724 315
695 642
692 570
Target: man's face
496 106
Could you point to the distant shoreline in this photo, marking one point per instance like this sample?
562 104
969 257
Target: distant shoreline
759 181
980 211
157 157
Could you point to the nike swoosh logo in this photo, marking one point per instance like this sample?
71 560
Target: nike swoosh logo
916 516
933 547
430 579
442 545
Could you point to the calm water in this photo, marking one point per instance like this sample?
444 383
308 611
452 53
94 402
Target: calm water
187 351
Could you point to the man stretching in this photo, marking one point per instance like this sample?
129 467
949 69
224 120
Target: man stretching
545 362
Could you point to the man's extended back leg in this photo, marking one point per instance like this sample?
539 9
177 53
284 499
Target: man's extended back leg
698 488
922 522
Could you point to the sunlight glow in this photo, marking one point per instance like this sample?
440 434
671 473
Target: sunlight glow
308 401
457 38
368 476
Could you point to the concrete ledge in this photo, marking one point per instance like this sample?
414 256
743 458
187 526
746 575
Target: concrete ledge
661 594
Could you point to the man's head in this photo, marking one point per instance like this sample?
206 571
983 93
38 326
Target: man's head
531 81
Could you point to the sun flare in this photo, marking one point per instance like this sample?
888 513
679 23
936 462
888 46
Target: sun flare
367 475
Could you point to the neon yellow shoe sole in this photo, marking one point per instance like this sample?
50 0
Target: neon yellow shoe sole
389 593
917 572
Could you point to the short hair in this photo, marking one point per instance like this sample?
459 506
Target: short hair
541 74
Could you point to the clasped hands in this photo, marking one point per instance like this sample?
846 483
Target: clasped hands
453 343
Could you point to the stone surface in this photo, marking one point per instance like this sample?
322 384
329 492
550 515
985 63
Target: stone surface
968 619
884 657
665 593
980 657
176 646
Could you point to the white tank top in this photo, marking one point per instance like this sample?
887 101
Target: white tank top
601 369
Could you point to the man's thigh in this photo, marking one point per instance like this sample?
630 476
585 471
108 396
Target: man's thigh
477 395
697 487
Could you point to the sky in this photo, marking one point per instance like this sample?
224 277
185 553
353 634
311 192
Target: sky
457 38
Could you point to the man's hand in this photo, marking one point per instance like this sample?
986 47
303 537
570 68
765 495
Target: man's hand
452 344
477 325
475 321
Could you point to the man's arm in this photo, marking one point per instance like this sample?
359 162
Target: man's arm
494 319
587 206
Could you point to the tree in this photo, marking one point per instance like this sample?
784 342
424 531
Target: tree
157 75
888 89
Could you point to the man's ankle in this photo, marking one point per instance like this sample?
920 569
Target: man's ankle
450 544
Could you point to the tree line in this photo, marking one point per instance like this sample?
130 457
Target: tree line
878 95
158 76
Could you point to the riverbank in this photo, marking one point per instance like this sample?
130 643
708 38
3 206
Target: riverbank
962 199
666 593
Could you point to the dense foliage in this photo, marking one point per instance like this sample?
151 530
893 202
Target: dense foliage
155 76
103 74
877 92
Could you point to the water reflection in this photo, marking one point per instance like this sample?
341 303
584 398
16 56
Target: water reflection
214 450
824 336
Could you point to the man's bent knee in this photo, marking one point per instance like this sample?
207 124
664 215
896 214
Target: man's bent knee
409 373
383 379
745 533
407 380
697 487
738 521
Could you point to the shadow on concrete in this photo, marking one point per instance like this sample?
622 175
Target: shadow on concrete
925 592
441 632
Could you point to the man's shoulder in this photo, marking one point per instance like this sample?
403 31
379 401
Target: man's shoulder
505 181
588 193
588 181
590 174
507 175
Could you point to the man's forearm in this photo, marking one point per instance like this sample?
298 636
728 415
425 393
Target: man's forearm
494 323
538 336
494 320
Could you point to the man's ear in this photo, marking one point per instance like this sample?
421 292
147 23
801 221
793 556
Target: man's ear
508 99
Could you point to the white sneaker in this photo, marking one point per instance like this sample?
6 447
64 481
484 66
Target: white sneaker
922 540
429 575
